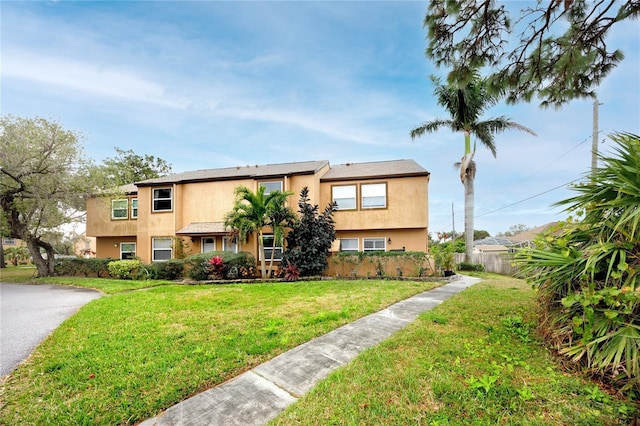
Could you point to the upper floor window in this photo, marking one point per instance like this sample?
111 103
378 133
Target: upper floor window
9 241
374 195
348 244
134 208
162 199
374 244
127 250
345 196
271 186
119 209
270 248
162 249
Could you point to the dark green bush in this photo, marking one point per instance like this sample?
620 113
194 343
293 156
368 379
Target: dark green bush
236 265
465 266
170 270
94 267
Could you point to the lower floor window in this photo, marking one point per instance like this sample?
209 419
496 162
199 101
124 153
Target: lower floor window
161 249
230 244
348 244
270 249
373 244
127 251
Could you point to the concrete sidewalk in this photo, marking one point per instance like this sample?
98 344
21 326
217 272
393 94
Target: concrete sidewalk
259 395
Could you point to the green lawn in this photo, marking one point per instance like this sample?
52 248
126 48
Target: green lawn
473 360
126 356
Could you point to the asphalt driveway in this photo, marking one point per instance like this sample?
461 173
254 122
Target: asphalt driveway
29 313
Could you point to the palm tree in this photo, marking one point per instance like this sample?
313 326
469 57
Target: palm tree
466 104
251 213
280 218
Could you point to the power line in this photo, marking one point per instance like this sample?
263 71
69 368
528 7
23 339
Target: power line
529 198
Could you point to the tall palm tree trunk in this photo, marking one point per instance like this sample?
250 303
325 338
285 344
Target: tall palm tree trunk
468 212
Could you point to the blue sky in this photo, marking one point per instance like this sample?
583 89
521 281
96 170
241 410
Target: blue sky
219 84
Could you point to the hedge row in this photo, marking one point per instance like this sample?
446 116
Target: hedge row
196 267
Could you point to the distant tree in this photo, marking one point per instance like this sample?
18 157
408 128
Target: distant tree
127 167
44 180
251 214
562 52
310 239
17 255
465 105
514 230
478 234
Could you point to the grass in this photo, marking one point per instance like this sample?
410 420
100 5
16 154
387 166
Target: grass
473 360
125 357
18 274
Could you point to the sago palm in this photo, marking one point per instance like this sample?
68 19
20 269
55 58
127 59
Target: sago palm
466 105
251 213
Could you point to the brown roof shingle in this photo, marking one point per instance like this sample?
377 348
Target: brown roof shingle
374 170
239 172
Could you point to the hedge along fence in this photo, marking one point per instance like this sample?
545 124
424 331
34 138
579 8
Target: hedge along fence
381 264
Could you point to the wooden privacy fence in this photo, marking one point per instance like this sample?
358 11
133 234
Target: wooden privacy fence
499 263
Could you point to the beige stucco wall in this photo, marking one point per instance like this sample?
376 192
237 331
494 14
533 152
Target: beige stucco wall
99 222
110 246
407 203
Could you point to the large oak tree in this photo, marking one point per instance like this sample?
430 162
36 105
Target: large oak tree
44 178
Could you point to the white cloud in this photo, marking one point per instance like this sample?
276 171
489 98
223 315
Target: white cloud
97 79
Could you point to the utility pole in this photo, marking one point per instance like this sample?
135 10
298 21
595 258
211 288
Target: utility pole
594 138
453 224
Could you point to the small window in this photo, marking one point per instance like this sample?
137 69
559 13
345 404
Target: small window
230 244
374 244
119 209
271 186
162 199
269 248
345 196
9 241
374 196
161 249
134 208
127 251
349 244
208 244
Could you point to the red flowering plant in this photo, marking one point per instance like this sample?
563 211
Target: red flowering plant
216 267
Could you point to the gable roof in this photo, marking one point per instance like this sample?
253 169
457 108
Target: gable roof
239 172
374 170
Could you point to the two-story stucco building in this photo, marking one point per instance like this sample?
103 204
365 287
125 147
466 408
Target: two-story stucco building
381 206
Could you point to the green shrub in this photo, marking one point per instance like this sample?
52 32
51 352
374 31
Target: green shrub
391 263
587 273
124 269
94 267
236 265
169 270
465 266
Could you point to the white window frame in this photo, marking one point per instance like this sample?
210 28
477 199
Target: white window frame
266 185
155 249
374 240
155 199
267 254
134 208
124 209
215 245
357 248
370 191
338 192
230 247
128 251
